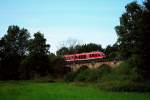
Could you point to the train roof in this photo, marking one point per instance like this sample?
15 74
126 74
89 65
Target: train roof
84 53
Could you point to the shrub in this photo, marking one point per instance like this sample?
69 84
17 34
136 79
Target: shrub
125 72
124 86
92 75
82 75
122 78
70 76
88 75
85 74
104 69
103 72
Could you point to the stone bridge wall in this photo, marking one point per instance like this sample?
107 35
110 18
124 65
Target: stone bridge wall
94 65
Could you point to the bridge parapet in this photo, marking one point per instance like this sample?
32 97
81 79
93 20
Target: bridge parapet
93 65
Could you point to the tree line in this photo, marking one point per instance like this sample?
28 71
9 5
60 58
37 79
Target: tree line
110 51
23 57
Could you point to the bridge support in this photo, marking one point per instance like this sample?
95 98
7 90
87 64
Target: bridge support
93 65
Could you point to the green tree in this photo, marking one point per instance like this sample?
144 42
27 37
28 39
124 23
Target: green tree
112 51
62 51
13 48
80 49
128 30
133 33
92 47
144 45
37 63
38 46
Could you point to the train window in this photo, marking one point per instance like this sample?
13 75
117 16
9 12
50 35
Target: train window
79 57
84 56
76 57
67 58
92 55
72 57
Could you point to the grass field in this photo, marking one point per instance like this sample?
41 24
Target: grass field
61 91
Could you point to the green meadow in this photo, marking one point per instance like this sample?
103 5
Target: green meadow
62 91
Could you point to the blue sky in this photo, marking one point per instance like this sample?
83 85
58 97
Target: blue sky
59 20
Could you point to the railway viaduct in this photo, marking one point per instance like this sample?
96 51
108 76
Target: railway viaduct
93 64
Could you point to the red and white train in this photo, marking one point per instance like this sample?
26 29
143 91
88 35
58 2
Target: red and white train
84 56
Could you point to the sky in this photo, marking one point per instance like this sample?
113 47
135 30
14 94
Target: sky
59 20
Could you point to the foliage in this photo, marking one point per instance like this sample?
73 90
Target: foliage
58 66
133 33
21 57
79 49
124 86
85 74
128 31
145 47
13 47
104 69
37 63
112 52
122 78
38 46
70 77
125 72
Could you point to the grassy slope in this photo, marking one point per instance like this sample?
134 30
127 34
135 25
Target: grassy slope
61 91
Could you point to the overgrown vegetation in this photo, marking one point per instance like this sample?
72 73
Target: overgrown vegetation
25 58
121 78
133 36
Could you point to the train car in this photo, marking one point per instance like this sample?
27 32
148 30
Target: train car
84 56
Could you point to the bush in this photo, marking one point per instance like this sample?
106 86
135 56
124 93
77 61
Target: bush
70 76
124 86
103 72
82 75
104 69
88 75
85 74
125 72
122 78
